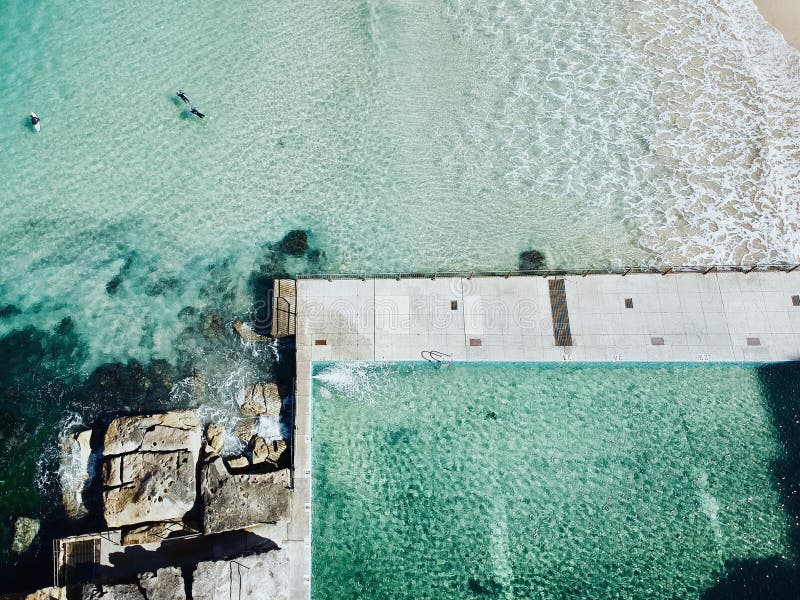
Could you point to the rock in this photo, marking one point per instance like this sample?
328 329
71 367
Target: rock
257 576
157 532
240 462
268 452
164 584
148 486
294 243
237 501
76 469
177 430
247 334
215 437
259 399
50 593
532 260
25 531
111 592
245 429
149 473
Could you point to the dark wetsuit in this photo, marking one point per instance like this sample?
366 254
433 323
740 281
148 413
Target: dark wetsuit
194 111
183 96
34 120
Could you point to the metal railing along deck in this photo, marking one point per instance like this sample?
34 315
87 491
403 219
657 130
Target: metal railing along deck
656 270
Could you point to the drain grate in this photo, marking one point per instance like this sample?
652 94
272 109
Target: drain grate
558 306
753 341
656 341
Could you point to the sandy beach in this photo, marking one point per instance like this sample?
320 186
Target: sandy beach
784 15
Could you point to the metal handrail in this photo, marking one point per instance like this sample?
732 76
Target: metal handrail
294 433
625 270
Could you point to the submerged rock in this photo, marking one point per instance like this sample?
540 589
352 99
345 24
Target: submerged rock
259 399
257 576
294 243
25 531
149 472
8 310
237 501
532 260
211 325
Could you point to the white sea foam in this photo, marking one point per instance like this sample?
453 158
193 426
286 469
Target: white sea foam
353 380
679 117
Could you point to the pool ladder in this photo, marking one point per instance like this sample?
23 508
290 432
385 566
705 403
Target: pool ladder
439 358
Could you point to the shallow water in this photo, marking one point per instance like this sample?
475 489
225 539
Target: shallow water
406 134
521 481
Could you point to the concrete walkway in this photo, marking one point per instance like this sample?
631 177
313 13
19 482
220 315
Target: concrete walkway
720 317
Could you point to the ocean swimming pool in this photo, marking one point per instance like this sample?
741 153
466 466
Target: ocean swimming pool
545 481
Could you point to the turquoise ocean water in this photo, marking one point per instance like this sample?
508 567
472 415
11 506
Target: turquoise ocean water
400 134
553 481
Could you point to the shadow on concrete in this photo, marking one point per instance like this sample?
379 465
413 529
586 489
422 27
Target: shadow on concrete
182 552
775 577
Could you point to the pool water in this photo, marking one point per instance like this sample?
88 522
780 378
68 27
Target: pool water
551 481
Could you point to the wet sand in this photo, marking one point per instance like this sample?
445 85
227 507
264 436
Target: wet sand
783 15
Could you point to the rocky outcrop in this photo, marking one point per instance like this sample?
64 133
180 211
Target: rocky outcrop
177 430
248 334
156 532
268 453
235 501
260 399
149 472
215 438
245 429
164 584
258 576
51 593
75 471
112 592
25 531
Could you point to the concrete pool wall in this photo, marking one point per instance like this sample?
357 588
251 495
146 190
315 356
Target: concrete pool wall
685 317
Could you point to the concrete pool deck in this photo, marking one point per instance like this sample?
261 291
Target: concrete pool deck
680 317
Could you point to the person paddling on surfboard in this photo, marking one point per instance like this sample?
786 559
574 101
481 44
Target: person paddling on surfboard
34 119
196 112
183 96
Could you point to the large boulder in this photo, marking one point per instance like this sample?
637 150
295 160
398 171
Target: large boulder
156 532
148 486
215 438
236 501
149 472
268 453
25 531
75 470
258 576
111 592
177 430
51 593
260 399
164 584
